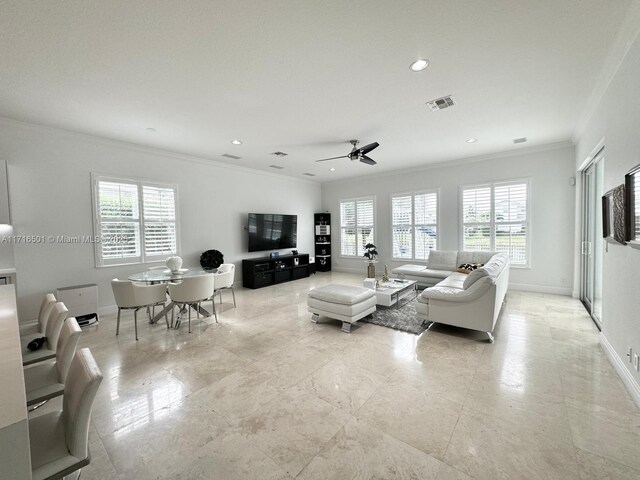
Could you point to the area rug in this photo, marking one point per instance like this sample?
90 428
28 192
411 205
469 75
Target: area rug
403 318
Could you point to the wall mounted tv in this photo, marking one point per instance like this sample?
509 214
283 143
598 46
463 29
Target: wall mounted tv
268 231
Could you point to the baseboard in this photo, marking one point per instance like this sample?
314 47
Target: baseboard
620 367
526 287
107 310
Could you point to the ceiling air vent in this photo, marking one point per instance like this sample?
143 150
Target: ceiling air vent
441 103
277 167
279 154
309 174
232 157
520 140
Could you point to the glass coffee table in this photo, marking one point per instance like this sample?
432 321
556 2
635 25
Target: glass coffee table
390 293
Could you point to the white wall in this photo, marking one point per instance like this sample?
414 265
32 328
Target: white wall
50 194
552 210
617 120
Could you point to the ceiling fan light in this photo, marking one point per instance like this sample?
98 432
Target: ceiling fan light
419 65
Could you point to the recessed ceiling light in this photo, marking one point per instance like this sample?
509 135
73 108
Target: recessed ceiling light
520 140
419 65
236 142
332 169
151 129
471 140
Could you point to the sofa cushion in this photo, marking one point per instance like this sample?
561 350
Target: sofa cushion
342 294
456 294
420 271
491 269
409 269
474 257
454 280
442 260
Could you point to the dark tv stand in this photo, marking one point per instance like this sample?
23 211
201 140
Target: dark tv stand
265 271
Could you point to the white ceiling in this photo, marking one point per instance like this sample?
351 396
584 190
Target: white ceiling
306 76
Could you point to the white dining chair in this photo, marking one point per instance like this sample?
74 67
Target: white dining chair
191 291
224 280
129 296
59 441
46 380
47 304
48 350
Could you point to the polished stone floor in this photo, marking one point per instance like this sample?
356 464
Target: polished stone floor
267 394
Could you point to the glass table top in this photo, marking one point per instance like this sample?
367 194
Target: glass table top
158 276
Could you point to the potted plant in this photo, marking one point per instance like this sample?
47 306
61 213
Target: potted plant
371 253
211 259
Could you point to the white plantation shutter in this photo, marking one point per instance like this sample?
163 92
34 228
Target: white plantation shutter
414 225
356 226
510 207
135 221
159 207
426 224
402 226
495 217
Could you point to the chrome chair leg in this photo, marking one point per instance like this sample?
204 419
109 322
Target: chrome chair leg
233 292
189 308
135 322
118 324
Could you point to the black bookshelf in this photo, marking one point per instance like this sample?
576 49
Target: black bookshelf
322 237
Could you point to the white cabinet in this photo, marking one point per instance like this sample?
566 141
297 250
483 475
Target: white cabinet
81 300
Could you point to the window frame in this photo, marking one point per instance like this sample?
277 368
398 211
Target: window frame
100 262
372 198
492 223
413 195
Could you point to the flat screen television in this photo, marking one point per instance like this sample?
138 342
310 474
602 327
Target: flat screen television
269 231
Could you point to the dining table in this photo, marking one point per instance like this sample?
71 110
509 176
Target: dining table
155 276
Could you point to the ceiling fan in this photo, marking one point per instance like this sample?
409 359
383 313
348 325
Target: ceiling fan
357 153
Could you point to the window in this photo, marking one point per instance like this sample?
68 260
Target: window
414 228
496 217
356 226
134 220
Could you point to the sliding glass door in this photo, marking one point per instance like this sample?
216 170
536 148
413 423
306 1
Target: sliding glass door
592 242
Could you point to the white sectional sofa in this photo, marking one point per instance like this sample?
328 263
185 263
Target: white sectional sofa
463 300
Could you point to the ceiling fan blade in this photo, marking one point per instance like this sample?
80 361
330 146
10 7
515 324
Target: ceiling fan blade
367 160
332 158
367 148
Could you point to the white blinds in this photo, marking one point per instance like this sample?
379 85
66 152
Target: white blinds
510 210
356 225
159 209
495 217
476 205
135 221
414 225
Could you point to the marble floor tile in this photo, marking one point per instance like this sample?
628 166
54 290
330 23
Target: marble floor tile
230 457
595 467
359 451
265 393
342 385
608 433
293 427
237 395
488 447
415 416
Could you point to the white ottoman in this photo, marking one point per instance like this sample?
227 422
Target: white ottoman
342 302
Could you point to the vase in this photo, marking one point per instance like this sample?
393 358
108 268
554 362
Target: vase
174 263
371 270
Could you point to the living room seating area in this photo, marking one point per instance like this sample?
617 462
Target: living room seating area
535 404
